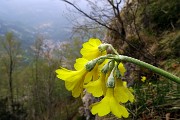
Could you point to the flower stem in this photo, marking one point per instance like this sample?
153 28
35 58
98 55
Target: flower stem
113 49
149 66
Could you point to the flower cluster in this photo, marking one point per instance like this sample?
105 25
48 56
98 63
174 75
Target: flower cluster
100 75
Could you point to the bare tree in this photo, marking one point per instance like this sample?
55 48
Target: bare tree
107 14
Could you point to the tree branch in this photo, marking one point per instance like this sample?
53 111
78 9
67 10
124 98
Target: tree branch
88 16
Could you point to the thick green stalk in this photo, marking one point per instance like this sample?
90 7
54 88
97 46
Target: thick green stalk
150 67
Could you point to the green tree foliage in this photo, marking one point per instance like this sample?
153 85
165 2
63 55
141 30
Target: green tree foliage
10 58
161 15
47 97
11 49
35 92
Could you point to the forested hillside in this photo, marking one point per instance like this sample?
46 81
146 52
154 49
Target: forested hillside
148 30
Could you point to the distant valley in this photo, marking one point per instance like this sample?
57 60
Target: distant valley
41 18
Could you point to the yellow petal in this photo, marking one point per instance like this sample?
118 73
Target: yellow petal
131 96
78 89
64 73
143 78
90 54
124 111
94 41
117 109
101 108
90 49
74 80
93 74
88 77
109 104
80 63
121 69
69 75
76 86
129 91
95 88
69 85
103 80
122 93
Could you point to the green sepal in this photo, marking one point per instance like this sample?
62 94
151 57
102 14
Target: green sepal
117 72
90 65
111 65
105 68
100 61
103 47
111 80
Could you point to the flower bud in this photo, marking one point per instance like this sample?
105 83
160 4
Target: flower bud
105 68
111 64
117 72
100 61
103 47
111 81
90 65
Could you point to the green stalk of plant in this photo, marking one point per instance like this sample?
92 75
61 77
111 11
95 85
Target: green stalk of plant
143 64
150 67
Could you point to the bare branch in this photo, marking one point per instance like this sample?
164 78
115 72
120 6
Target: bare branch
102 16
89 16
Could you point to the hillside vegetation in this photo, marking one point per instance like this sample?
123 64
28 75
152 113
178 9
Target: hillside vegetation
153 33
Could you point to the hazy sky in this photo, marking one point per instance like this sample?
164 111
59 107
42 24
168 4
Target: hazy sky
42 13
46 16
28 10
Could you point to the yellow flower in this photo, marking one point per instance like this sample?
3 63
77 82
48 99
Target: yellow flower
143 78
122 93
109 104
98 87
90 49
74 80
121 69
